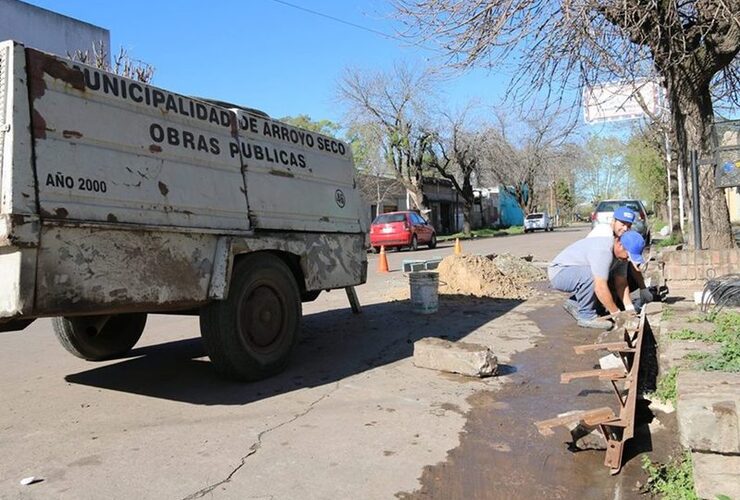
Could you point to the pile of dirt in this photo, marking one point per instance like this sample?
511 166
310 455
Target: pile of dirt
518 268
485 277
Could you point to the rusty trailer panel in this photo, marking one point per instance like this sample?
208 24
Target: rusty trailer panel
102 154
86 270
117 196
312 174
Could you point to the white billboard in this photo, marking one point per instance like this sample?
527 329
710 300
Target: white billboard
619 100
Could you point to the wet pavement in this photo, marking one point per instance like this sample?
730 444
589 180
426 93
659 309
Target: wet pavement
502 455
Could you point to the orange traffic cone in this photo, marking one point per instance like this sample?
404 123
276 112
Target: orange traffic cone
382 261
458 247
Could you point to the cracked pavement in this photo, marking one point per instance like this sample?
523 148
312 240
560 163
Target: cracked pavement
351 417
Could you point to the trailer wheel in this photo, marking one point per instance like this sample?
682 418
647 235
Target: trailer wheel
96 338
250 334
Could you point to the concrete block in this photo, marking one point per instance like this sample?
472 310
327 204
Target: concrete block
716 475
707 409
473 360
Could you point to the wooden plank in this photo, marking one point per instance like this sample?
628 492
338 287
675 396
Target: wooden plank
589 417
610 374
609 346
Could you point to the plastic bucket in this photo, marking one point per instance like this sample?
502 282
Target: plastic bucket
424 296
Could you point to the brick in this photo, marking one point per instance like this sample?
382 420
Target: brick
717 257
464 358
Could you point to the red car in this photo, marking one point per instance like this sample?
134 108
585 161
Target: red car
401 229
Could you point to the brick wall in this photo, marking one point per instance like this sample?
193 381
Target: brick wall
699 265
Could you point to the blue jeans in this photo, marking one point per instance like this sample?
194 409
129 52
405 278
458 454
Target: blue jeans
579 282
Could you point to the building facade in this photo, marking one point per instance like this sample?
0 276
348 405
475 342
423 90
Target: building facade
48 31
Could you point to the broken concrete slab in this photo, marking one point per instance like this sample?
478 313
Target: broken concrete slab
472 360
585 437
707 409
716 475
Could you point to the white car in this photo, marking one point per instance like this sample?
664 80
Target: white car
538 220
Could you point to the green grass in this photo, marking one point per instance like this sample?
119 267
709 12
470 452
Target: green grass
673 480
484 233
667 314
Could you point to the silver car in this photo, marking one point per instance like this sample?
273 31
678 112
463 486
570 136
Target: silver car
604 214
538 220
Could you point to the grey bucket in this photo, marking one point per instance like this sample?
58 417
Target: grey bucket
424 295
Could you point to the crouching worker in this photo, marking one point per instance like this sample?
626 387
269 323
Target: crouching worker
585 268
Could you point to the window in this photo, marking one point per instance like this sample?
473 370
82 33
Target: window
389 218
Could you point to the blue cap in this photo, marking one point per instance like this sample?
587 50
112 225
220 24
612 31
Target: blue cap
625 214
634 244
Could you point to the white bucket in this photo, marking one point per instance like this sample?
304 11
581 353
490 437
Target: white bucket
424 296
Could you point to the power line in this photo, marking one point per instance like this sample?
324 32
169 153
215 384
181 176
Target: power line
349 23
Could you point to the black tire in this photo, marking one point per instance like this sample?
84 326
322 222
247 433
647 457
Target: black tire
251 334
414 244
376 249
95 339
433 241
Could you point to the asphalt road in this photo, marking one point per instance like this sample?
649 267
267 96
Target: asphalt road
350 418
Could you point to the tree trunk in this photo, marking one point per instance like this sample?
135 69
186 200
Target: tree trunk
417 196
692 115
467 217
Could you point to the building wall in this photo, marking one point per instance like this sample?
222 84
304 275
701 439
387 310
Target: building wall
511 212
47 30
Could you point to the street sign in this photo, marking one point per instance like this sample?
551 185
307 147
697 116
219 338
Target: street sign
727 153
621 100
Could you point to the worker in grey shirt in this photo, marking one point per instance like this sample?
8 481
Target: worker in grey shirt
583 269
621 222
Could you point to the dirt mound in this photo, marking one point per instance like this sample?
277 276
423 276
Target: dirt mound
517 267
482 276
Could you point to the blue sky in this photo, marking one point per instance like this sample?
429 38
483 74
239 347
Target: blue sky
265 54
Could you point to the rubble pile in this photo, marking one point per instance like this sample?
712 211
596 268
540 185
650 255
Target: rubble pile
481 276
518 268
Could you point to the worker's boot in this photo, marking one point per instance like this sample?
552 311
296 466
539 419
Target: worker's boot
595 322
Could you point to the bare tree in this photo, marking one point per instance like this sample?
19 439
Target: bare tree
456 155
526 166
123 63
690 46
374 179
394 101
602 174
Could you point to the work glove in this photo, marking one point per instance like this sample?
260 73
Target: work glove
625 319
645 295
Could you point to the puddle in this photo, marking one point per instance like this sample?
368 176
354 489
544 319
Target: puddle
502 455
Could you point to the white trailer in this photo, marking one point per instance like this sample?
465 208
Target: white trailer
118 199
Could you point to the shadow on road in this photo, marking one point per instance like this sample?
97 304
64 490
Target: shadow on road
334 345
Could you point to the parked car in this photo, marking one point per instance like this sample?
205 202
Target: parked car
538 220
401 229
604 214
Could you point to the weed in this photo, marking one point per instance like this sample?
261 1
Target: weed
726 332
669 241
667 314
673 480
666 387
686 334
